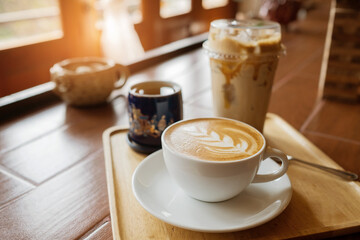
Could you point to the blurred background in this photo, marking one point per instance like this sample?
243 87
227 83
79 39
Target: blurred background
35 34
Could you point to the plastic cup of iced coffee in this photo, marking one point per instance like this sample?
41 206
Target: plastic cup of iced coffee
243 59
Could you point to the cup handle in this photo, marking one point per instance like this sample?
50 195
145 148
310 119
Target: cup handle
272 152
122 73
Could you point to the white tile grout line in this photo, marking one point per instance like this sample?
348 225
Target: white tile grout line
17 176
315 111
324 135
96 228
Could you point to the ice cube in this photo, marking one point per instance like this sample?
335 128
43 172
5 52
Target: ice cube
243 36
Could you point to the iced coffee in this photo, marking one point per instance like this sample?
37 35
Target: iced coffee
243 60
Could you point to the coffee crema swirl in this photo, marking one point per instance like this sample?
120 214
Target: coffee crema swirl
214 139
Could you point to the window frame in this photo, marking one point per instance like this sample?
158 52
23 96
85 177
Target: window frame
26 66
162 30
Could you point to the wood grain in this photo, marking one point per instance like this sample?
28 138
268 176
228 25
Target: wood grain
12 187
52 210
311 194
296 51
59 192
35 124
101 230
341 151
303 90
77 136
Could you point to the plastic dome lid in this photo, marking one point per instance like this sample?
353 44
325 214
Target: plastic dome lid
232 38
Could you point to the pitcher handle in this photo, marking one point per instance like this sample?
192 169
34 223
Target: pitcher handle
123 74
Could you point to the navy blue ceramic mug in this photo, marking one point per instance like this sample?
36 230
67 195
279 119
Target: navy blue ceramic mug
152 106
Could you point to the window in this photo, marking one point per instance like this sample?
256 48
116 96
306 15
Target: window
26 65
67 28
208 4
134 10
170 8
178 19
23 22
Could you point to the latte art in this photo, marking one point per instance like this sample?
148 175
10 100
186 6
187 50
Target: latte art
214 139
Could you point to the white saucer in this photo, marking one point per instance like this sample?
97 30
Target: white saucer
161 197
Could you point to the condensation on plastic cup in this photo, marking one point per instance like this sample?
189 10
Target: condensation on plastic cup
239 56
243 59
247 33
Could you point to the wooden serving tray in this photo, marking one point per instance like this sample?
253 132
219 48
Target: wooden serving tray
322 205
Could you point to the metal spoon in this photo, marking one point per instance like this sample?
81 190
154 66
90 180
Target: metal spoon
343 174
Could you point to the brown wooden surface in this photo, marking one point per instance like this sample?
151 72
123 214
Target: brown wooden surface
310 188
52 173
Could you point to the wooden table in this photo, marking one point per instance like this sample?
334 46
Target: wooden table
52 173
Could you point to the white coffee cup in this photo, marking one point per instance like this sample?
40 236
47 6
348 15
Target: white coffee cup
210 168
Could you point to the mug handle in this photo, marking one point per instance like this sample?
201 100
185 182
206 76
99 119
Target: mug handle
122 73
272 152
